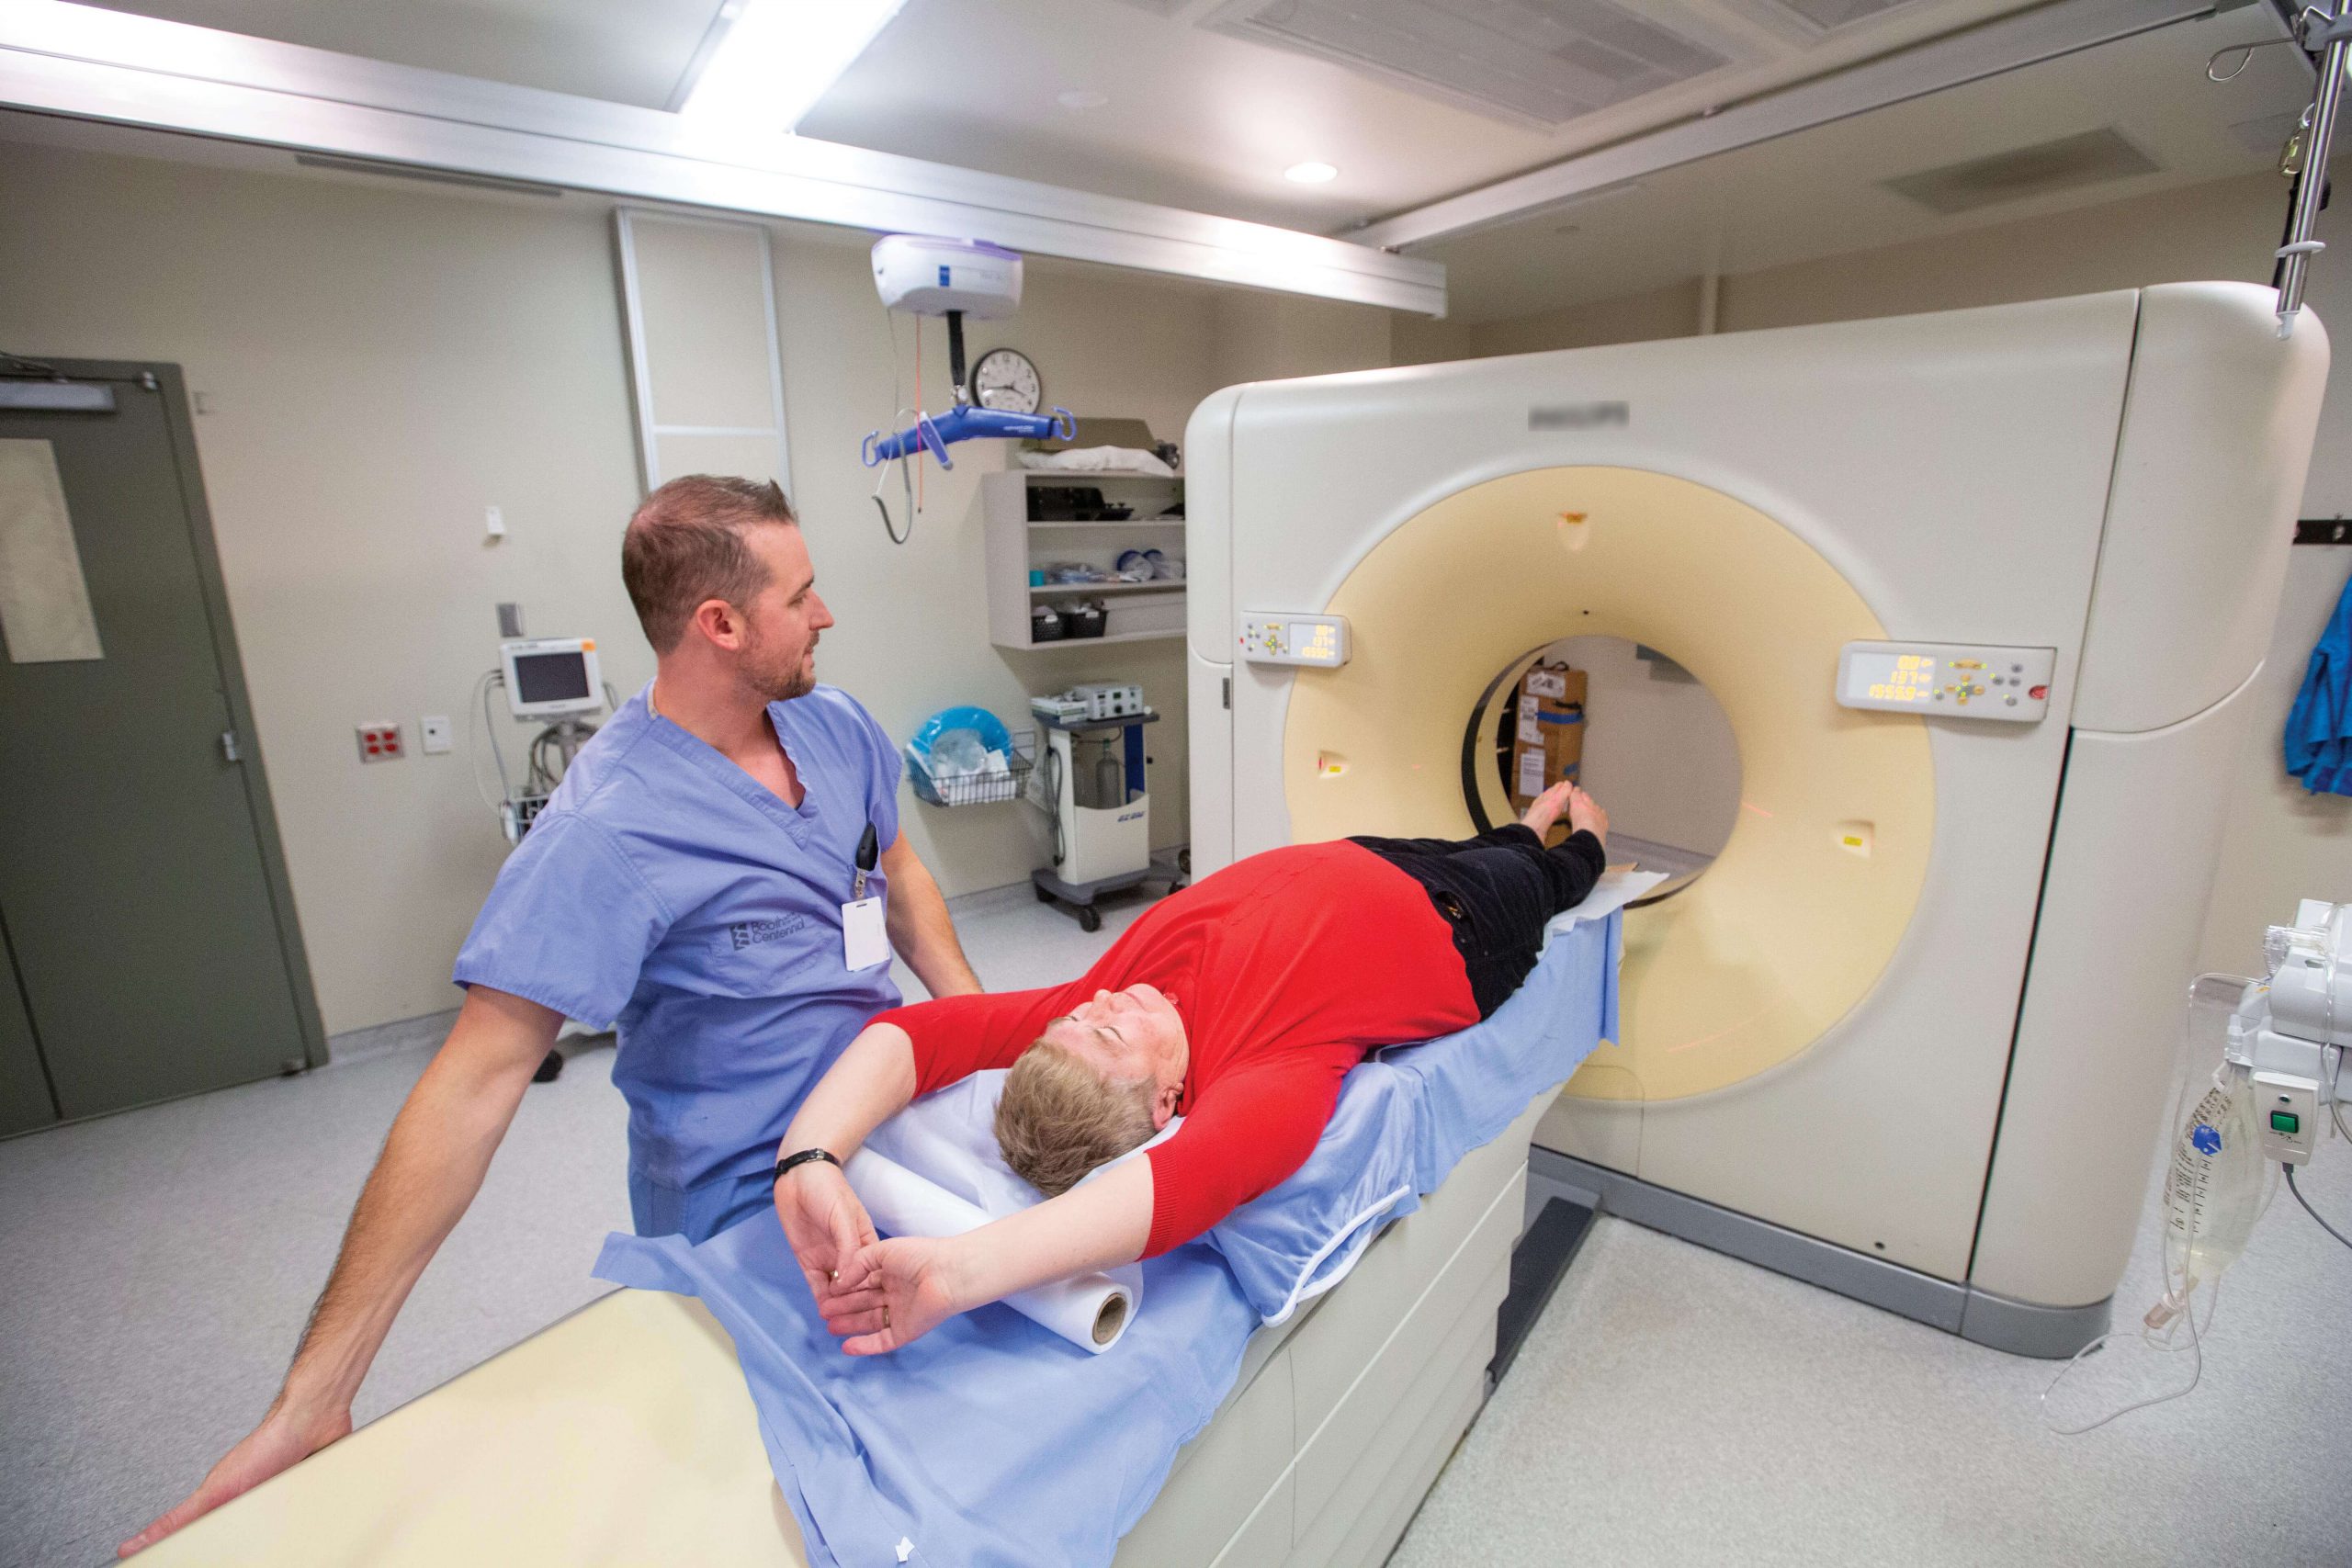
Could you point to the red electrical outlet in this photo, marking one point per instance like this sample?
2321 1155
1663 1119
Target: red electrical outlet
381 743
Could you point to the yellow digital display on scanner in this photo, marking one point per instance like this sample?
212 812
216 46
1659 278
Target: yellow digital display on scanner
1954 680
1317 640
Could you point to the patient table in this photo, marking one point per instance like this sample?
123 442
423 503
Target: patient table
625 1433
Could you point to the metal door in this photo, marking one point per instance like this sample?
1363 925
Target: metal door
142 889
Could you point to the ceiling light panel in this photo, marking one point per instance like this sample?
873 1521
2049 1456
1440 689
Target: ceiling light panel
779 58
2092 158
1539 62
1828 16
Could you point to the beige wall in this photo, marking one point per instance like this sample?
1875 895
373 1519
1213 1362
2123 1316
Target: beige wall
1269 337
2281 844
1669 311
380 361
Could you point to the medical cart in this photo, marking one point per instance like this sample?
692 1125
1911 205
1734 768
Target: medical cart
1090 783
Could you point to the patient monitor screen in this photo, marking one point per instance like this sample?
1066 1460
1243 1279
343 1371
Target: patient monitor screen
551 677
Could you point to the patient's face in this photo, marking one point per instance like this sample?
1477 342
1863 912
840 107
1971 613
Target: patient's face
1133 1034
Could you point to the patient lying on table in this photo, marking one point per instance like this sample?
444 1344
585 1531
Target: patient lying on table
1238 1004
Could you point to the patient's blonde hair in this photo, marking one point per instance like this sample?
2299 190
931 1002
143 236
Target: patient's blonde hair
1058 1118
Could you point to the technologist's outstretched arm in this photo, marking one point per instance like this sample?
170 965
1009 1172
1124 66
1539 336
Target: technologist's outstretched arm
431 1167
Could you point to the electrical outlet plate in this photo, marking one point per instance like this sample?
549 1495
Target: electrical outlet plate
434 734
381 743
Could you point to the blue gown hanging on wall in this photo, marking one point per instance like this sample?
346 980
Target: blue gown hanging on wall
2319 727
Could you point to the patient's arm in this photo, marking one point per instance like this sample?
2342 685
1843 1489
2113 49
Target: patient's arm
822 1218
895 1291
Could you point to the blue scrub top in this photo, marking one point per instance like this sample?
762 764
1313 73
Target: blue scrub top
665 889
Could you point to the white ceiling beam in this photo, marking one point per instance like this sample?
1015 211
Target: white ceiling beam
2009 43
86 63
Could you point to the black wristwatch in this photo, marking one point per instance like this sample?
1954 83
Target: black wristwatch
803 1157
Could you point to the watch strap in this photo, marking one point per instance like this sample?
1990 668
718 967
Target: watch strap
803 1157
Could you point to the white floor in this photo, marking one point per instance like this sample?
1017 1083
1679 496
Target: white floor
1672 1407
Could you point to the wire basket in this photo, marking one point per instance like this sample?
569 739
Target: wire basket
978 789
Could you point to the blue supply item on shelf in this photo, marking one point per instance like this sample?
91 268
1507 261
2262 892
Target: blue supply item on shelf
985 726
964 756
1036 577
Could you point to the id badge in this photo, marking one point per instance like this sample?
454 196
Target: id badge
865 939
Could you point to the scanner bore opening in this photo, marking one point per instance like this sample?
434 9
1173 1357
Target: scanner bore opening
1658 752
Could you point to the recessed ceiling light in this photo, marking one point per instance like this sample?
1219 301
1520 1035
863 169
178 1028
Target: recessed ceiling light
1310 173
1082 98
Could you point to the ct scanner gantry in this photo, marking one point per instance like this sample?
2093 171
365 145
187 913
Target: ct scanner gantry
1982 594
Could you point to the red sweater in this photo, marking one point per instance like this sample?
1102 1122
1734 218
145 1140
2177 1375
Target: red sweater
1287 968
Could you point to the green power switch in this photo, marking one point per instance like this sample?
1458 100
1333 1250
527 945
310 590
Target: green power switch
2286 1121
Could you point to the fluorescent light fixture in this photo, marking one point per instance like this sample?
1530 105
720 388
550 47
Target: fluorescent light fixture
1310 173
780 57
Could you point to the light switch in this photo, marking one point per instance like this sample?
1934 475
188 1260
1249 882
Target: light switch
494 522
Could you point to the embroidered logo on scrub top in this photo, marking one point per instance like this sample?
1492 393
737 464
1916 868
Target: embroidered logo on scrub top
750 933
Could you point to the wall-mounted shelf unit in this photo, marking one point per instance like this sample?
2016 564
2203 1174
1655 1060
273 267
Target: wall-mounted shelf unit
1016 542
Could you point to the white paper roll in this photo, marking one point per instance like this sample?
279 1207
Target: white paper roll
1090 1312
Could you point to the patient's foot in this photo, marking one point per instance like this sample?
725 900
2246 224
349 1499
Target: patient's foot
1549 807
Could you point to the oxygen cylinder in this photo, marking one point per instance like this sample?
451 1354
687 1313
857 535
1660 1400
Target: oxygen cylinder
1110 776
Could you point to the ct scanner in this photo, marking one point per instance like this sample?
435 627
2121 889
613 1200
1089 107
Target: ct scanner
1982 594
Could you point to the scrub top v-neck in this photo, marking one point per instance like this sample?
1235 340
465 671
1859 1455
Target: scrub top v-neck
667 891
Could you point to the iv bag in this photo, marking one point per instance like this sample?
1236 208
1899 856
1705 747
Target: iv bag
2212 1186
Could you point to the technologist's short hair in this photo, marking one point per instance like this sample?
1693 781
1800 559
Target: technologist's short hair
1058 1118
685 546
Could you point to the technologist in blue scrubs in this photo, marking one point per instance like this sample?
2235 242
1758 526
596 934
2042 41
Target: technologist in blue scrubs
721 873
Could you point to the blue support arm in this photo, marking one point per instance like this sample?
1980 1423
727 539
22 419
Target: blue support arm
965 422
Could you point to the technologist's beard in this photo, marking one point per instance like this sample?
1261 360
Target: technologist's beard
779 679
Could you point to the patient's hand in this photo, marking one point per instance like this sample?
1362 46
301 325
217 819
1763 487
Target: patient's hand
908 1282
826 1225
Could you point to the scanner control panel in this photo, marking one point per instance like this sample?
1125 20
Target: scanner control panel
1948 680
1315 641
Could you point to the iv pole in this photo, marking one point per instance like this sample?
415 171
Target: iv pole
2328 34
